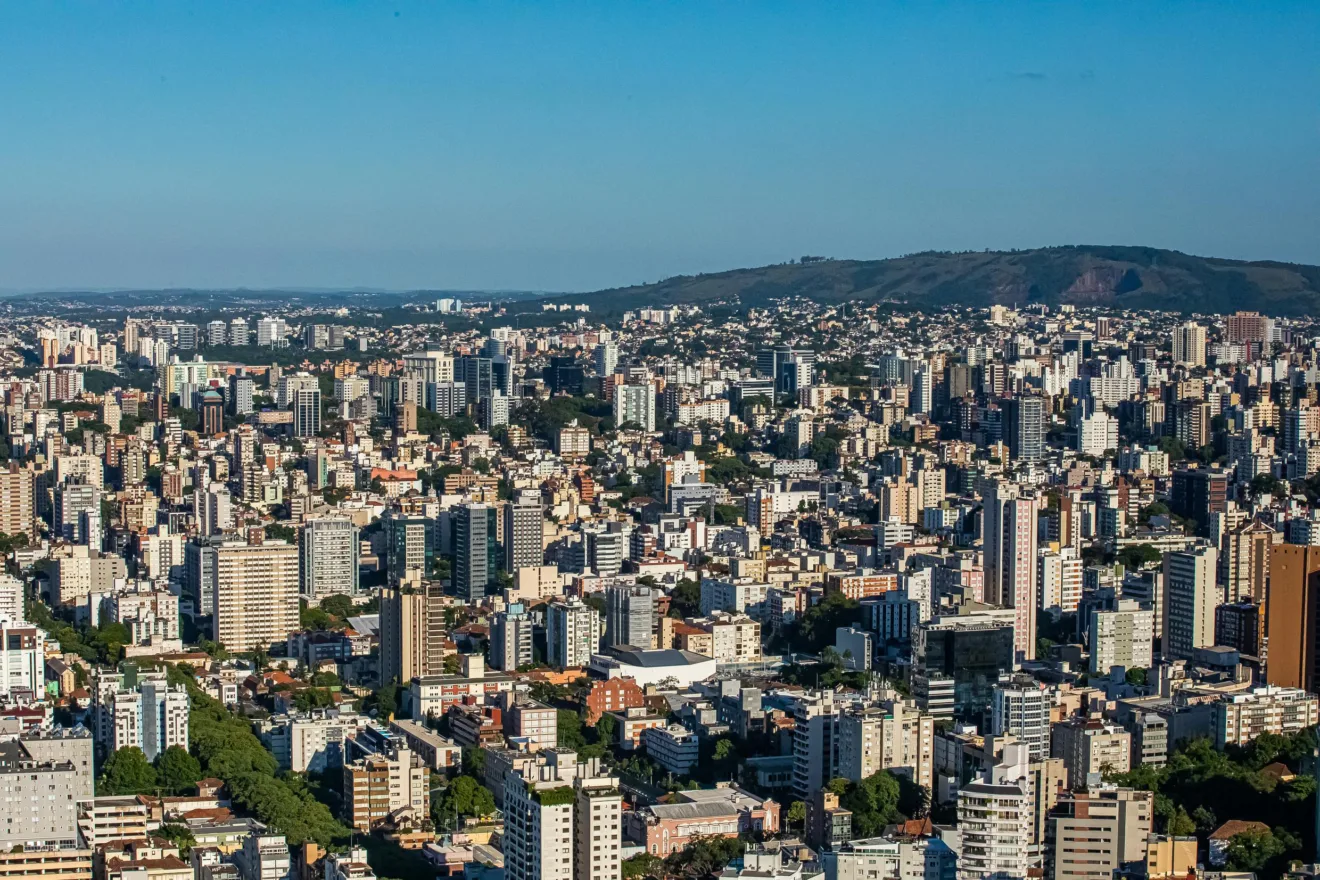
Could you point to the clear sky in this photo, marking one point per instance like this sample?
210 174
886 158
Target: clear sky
570 146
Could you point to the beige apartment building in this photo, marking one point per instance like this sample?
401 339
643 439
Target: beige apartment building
256 594
379 784
412 633
893 735
1089 745
1095 834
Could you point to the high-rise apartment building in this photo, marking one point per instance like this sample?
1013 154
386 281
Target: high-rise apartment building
995 818
572 633
1009 535
1090 746
1189 344
573 441
1123 636
511 638
263 856
1021 707
1244 561
635 404
433 365
17 500
815 742
629 615
1241 717
271 331
1024 427
1293 617
605 358
307 412
1191 596
240 394
476 551
891 735
12 591
412 632
523 532
213 508
1059 575
330 550
605 550
22 660
1097 433
142 710
410 546
45 775
72 499
1248 327
256 594
562 819
597 812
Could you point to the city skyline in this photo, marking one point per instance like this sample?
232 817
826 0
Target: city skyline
578 146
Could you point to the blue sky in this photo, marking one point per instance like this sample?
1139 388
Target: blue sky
573 146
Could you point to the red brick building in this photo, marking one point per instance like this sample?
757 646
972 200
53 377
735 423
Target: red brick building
613 695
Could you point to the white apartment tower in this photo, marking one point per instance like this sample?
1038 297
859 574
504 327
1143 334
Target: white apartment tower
815 742
139 710
598 828
606 358
995 817
1021 708
1060 577
563 820
1097 433
510 639
636 404
330 550
22 659
572 633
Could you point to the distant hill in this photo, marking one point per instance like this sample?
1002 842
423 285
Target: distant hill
1136 277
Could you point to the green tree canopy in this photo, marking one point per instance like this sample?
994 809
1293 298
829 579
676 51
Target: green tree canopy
1264 852
177 771
642 865
127 771
180 835
704 856
607 729
816 629
464 797
685 601
873 802
339 605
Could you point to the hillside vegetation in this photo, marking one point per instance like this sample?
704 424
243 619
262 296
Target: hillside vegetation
1115 276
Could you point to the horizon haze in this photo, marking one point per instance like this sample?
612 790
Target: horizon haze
574 147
